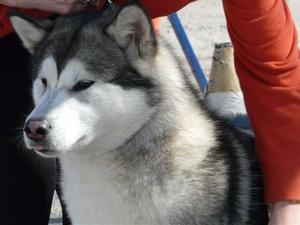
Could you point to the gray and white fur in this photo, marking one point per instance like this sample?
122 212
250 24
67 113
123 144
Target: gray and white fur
136 144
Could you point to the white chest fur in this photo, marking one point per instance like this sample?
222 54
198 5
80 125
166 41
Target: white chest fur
96 193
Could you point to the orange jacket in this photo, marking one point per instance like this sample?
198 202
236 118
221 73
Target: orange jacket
268 65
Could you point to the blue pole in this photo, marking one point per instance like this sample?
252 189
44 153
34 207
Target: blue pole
188 51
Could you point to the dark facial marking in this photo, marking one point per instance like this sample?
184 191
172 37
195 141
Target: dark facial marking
82 85
128 78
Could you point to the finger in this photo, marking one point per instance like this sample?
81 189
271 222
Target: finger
69 8
8 3
78 7
70 1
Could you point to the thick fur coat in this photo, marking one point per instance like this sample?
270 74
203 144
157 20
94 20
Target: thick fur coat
136 144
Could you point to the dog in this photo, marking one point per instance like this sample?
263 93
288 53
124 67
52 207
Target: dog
136 143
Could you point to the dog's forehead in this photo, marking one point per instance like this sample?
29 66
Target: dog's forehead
87 46
74 70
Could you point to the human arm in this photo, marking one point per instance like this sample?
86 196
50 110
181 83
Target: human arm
57 6
267 61
158 8
37 9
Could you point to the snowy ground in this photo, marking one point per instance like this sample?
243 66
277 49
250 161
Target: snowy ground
205 25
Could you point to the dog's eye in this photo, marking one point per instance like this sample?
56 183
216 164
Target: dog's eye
44 81
82 85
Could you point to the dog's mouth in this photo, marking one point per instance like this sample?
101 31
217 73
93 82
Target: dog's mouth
43 149
47 152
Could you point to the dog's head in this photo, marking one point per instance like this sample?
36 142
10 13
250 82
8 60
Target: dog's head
87 90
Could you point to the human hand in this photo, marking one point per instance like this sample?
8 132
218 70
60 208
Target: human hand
285 213
57 6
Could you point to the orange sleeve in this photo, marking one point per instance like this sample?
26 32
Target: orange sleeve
267 62
156 8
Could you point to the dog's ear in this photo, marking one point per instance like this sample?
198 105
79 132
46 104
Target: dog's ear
132 30
30 31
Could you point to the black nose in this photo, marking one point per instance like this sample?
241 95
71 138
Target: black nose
37 129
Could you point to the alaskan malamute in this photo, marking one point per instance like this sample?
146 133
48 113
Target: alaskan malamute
136 144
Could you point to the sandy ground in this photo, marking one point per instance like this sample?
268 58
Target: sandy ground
205 25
